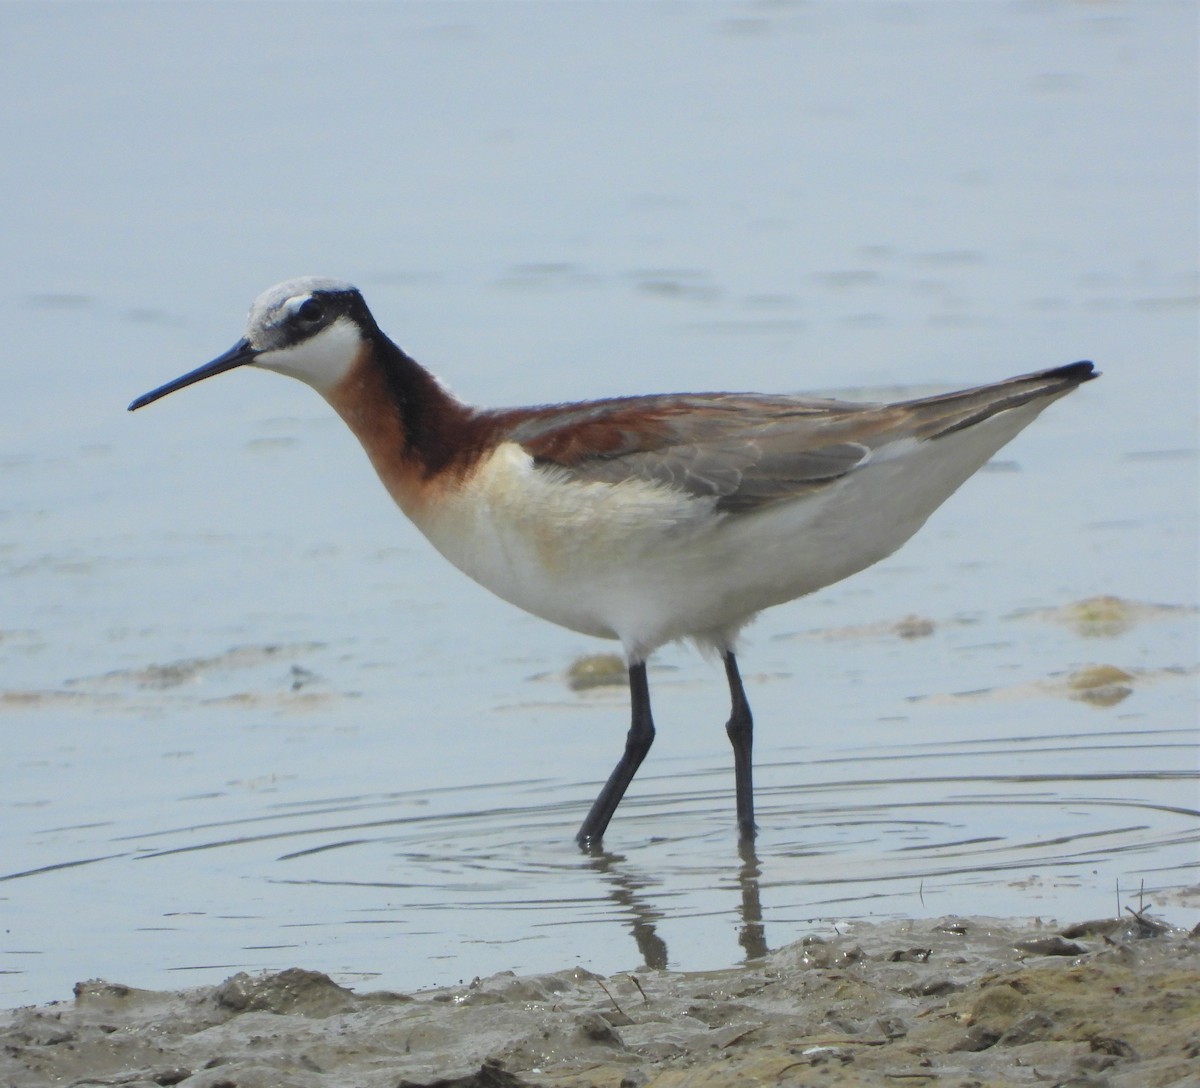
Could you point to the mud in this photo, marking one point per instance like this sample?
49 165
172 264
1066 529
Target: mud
958 1002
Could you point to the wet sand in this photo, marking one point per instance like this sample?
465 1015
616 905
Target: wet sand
974 1002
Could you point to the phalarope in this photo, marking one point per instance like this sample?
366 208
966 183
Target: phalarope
646 518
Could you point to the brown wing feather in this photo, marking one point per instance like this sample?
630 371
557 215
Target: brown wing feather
747 450
744 450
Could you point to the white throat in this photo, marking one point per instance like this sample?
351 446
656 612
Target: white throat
320 361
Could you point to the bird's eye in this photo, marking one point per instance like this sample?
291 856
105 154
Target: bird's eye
310 311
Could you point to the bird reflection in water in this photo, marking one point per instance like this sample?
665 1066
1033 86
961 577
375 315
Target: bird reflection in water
628 890
753 937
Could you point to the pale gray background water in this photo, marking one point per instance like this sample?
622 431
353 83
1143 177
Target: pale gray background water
357 761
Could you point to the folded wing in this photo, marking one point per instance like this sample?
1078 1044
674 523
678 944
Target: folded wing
747 450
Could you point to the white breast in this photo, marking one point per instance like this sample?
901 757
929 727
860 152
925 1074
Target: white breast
593 557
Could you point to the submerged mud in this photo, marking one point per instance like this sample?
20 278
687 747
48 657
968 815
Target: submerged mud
962 1001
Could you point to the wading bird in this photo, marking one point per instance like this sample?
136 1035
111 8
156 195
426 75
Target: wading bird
644 518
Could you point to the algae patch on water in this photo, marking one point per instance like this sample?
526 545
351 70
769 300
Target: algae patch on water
596 671
1102 685
1106 616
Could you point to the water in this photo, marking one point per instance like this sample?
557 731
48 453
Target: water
251 720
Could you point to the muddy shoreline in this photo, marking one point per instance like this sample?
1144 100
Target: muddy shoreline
959 1001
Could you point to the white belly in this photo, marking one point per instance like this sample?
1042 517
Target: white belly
592 557
645 564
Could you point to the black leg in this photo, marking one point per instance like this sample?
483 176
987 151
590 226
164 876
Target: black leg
637 744
740 728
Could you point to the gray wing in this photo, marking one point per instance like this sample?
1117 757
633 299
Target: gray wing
747 450
743 450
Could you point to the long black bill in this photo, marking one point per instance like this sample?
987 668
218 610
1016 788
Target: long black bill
239 355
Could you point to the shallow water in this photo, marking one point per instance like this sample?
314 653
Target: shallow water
251 720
